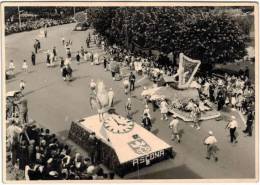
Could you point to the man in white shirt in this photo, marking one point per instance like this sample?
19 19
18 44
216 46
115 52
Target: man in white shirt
175 130
232 125
13 134
211 142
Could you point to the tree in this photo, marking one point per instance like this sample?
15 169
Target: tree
201 33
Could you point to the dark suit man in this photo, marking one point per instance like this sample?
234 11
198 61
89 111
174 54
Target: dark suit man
132 81
33 58
147 122
249 124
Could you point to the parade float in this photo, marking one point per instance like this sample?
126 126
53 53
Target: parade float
123 145
180 90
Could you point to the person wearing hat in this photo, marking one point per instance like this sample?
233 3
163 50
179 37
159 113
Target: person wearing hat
174 127
147 122
232 125
210 142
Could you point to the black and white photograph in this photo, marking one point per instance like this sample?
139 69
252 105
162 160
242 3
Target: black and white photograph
129 92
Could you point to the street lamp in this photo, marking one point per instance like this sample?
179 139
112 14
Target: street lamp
20 24
19 17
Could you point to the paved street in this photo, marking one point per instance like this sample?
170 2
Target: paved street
54 103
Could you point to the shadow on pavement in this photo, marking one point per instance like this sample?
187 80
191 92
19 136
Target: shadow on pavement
180 172
156 131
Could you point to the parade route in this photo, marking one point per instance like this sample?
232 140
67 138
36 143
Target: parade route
54 103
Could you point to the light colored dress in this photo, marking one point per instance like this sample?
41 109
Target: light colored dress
25 66
164 108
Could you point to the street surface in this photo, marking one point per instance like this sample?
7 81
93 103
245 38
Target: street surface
54 103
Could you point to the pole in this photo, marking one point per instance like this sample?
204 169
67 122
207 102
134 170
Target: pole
19 17
74 10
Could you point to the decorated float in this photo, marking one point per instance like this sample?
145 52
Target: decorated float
123 145
181 92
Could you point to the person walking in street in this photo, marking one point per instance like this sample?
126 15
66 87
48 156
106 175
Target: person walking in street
35 46
33 58
78 58
195 115
105 63
111 97
126 85
11 67
212 148
164 109
146 122
22 86
48 59
62 63
128 108
88 42
54 51
132 81
147 111
25 66
249 124
174 124
38 43
232 125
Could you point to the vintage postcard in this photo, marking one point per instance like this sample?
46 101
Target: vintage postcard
129 91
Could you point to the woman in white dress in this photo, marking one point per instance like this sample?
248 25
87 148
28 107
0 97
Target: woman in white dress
25 66
85 55
164 109
11 67
126 85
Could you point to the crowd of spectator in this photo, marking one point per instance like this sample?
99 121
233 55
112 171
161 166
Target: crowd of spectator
235 91
36 154
28 25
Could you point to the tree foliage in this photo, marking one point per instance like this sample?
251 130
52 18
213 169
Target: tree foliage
198 32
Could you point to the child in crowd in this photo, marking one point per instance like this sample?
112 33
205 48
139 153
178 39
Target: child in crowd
25 66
